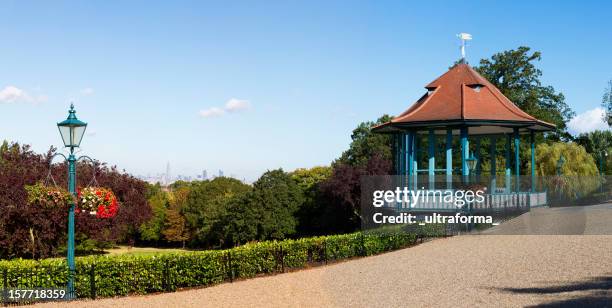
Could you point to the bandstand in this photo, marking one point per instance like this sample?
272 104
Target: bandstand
461 108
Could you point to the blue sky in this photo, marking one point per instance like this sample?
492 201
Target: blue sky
297 76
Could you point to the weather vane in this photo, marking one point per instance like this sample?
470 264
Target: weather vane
463 37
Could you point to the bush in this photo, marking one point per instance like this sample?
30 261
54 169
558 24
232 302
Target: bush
107 276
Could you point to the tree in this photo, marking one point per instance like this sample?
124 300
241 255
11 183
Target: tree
514 73
342 193
239 223
264 213
175 229
25 230
599 144
365 144
606 103
152 229
278 197
312 209
31 231
577 161
206 205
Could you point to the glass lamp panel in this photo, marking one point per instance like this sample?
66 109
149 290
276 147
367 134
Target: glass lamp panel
471 163
77 133
65 132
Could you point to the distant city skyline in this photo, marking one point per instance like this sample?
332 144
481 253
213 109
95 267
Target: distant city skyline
167 178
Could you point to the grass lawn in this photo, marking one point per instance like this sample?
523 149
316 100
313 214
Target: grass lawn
141 251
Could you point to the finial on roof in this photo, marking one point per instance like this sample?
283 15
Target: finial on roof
464 37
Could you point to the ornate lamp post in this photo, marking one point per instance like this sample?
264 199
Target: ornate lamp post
72 131
471 163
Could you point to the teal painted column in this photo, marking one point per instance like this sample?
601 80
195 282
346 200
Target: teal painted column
415 159
478 168
449 158
493 164
533 163
432 159
400 153
508 162
517 162
409 155
70 248
465 171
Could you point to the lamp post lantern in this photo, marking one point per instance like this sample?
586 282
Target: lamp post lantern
471 163
71 131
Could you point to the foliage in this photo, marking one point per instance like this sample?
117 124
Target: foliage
125 274
513 72
205 207
599 144
29 231
47 196
266 212
152 229
366 144
312 208
577 161
342 192
606 103
308 179
175 229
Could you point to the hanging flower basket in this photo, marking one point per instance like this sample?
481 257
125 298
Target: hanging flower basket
98 201
48 196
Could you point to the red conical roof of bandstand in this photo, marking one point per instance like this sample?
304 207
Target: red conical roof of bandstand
463 97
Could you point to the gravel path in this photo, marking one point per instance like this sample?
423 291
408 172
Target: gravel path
465 271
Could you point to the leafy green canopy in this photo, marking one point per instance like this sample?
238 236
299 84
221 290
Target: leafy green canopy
266 212
514 73
577 161
599 144
366 144
206 205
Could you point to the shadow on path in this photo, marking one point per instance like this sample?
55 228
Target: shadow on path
600 293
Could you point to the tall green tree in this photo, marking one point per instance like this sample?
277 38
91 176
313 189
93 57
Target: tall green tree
265 213
606 103
599 144
515 73
152 229
278 197
206 205
312 208
365 144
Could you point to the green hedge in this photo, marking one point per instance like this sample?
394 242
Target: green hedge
106 276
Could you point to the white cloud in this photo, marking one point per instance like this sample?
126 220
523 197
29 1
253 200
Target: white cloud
587 121
231 106
87 91
12 94
235 105
212 112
